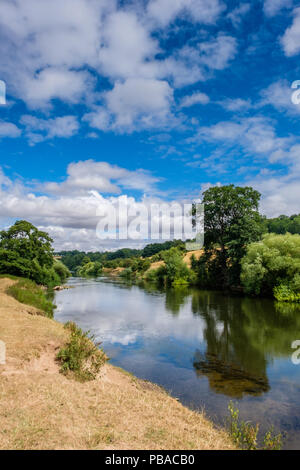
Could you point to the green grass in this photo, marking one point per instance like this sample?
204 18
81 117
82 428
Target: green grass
29 293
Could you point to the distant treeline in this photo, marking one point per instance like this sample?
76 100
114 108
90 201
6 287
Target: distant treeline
284 224
75 258
72 259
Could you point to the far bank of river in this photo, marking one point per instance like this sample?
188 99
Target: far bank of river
203 347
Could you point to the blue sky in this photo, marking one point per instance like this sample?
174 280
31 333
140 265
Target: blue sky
145 100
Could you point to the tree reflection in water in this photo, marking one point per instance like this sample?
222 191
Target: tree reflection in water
242 336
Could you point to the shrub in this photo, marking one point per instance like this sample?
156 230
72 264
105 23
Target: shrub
273 261
61 270
81 356
245 435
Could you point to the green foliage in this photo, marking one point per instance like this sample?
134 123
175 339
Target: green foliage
272 262
90 268
27 252
135 268
155 248
284 224
29 293
194 263
61 270
284 293
81 356
231 222
175 268
122 257
245 434
127 273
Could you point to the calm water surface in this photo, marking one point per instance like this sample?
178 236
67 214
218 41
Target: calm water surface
203 347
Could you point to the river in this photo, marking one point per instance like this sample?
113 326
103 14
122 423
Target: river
204 347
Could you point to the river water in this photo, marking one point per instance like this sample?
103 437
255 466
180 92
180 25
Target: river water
204 347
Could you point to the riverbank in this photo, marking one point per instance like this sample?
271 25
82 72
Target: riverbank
42 409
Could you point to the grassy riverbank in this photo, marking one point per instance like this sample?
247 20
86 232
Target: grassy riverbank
40 408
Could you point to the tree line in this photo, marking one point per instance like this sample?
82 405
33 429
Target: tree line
242 251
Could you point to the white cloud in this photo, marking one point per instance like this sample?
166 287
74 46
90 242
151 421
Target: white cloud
195 98
136 103
71 210
8 129
49 41
89 175
189 65
255 135
67 50
291 38
273 7
128 49
237 14
202 11
279 195
236 104
38 129
216 54
50 83
279 95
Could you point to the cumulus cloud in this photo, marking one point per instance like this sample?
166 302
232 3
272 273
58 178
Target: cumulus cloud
279 95
50 83
89 175
165 11
8 129
38 129
72 210
138 102
273 7
128 48
58 45
216 54
256 135
235 104
237 14
291 39
50 41
195 98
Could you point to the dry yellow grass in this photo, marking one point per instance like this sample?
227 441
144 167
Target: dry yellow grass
42 409
189 254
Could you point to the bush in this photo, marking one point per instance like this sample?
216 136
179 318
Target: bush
272 262
175 268
81 356
245 434
61 270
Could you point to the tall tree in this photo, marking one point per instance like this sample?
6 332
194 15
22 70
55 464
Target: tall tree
231 222
25 251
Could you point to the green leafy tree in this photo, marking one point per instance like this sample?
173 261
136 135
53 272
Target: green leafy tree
26 251
231 222
284 224
272 262
175 268
91 268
